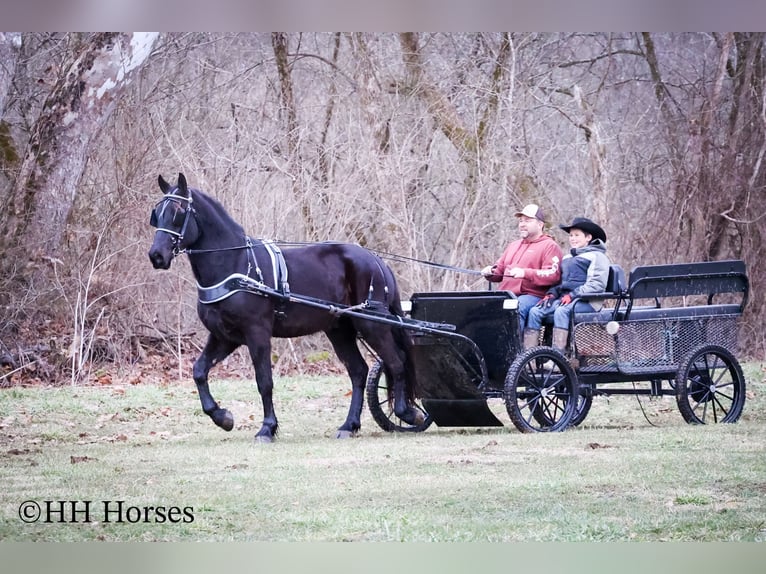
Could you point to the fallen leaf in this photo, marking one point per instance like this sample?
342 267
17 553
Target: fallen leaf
105 379
76 459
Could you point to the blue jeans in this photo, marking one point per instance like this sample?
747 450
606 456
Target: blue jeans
560 314
526 302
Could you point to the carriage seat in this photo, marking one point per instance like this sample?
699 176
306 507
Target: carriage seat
614 290
692 312
660 283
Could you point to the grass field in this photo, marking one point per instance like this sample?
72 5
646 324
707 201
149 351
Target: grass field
143 463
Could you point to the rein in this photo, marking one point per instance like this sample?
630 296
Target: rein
403 259
395 257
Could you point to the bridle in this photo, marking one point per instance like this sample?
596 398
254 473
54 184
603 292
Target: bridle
178 236
159 210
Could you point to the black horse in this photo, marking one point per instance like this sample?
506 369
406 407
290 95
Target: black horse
227 264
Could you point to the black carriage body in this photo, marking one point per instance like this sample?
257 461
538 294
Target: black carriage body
457 371
667 330
671 328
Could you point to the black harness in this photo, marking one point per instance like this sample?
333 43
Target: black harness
237 282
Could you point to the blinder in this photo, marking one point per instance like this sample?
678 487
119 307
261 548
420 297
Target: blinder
180 219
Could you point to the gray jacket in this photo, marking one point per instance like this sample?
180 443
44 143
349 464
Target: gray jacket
584 270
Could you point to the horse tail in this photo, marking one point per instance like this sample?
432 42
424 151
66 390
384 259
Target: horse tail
402 337
404 340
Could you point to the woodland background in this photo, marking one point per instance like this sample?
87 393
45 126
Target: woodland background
417 144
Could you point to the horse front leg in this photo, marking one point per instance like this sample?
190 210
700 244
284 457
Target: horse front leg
260 354
214 352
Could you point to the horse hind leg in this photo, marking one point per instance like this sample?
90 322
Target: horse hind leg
260 354
394 354
214 352
343 339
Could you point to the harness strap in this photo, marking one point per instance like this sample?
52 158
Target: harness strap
237 282
370 300
278 265
232 284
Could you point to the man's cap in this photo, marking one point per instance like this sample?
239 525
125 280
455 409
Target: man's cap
586 225
532 210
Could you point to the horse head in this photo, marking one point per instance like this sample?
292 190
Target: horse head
174 218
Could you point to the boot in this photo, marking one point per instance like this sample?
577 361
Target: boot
560 337
531 338
559 343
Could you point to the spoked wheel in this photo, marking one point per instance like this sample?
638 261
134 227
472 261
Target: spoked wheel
582 409
541 391
584 402
710 386
382 409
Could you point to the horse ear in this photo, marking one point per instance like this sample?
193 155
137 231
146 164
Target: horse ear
164 185
182 185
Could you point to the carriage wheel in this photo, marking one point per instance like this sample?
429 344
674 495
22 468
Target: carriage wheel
382 410
539 398
582 409
710 386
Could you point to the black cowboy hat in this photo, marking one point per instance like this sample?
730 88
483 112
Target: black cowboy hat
586 225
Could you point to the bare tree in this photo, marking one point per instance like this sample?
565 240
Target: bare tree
415 144
10 46
292 139
82 100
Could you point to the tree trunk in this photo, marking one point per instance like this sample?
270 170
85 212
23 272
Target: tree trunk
596 158
287 99
10 44
72 116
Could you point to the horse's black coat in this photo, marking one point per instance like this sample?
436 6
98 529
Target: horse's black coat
191 221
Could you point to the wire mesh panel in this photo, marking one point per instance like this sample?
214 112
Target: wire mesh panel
595 348
646 346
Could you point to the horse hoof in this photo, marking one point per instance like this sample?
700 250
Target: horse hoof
224 419
262 439
413 416
344 434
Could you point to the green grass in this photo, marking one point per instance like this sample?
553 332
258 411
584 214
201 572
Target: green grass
617 478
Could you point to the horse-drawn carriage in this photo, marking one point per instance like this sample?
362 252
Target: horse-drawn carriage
671 327
455 350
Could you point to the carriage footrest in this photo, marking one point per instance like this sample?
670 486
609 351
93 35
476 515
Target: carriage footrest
461 413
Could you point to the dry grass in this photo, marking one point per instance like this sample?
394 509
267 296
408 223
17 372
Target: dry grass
618 478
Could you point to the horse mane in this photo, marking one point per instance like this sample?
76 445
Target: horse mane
210 209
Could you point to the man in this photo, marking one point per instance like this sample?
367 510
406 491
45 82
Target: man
529 266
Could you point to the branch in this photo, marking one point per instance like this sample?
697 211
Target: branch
333 65
600 57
